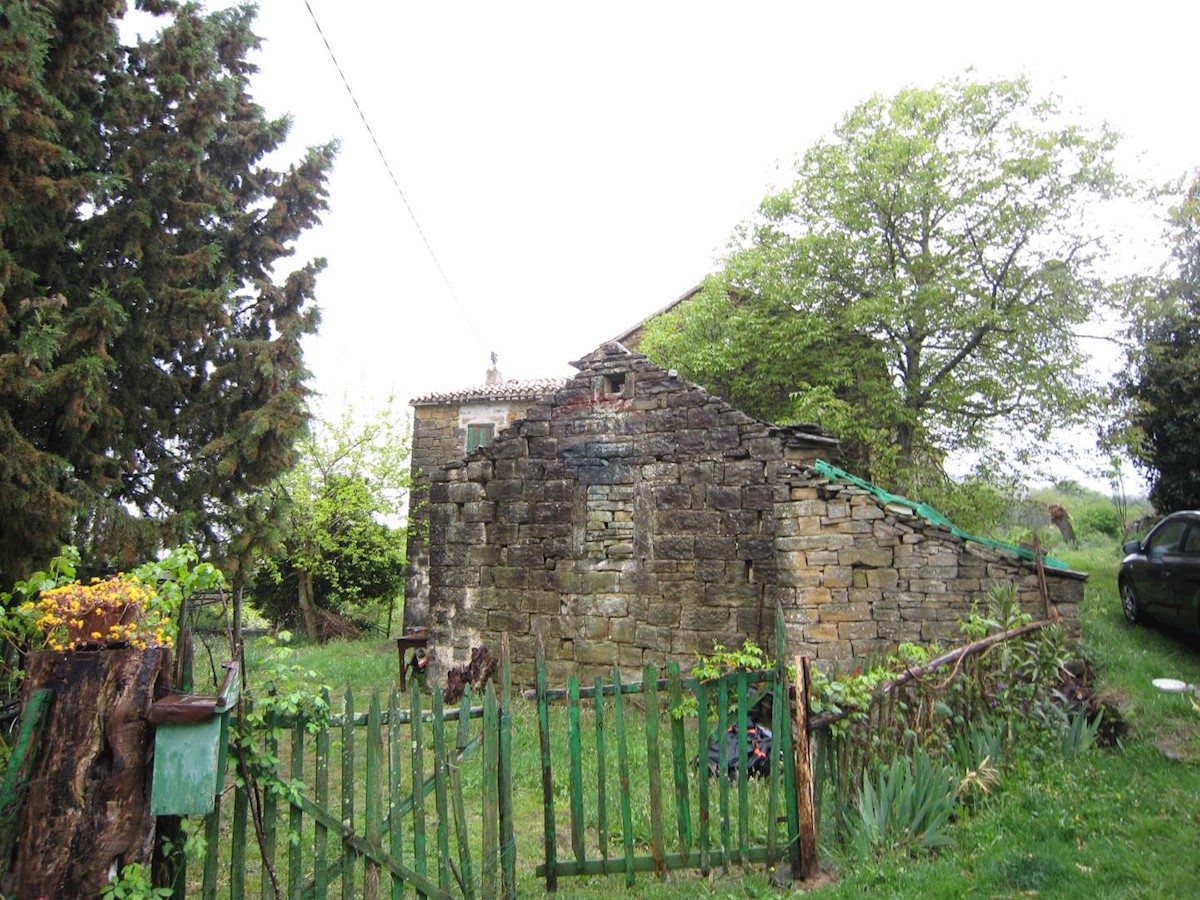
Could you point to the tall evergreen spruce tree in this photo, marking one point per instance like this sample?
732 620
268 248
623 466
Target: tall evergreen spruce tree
151 374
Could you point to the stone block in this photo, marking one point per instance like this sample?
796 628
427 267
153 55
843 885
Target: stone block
799 576
671 496
836 613
706 618
622 631
765 448
715 546
755 547
674 546
823 558
652 637
669 420
758 496
852 631
813 596
478 511
524 555
839 576
513 512
509 576
539 602
927 586
883 579
512 621
710 570
870 557
630 656
696 472
695 521
718 497
599 582
661 471
820 634
595 652
739 473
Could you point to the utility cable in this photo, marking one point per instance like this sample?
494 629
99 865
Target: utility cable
395 182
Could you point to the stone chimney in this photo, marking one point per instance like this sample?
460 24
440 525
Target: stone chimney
493 374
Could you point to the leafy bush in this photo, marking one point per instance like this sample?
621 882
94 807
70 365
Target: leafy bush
1099 518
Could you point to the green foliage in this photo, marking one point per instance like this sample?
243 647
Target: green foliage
906 805
815 372
172 579
722 661
1080 734
151 368
342 543
977 504
1160 383
133 884
927 269
1102 519
283 692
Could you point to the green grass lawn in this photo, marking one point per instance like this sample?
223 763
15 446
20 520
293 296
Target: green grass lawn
1117 822
1120 822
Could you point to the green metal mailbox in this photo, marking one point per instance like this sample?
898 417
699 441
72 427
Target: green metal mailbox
190 738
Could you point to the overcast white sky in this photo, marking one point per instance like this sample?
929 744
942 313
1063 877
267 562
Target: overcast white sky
577 166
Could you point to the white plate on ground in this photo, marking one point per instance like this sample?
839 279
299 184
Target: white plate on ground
1174 685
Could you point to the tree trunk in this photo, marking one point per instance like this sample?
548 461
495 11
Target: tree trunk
307 607
87 812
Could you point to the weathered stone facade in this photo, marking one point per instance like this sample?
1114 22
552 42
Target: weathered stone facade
439 435
857 576
632 517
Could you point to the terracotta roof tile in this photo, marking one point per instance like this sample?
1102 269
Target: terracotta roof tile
513 389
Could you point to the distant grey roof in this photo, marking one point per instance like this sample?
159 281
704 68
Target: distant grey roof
513 389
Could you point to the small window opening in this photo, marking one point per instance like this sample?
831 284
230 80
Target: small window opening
614 383
479 436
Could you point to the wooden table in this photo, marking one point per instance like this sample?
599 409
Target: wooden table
416 641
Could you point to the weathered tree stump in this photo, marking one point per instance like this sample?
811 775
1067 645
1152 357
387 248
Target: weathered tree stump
87 811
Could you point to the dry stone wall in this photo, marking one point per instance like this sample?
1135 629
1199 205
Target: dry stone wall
439 434
631 517
627 519
857 577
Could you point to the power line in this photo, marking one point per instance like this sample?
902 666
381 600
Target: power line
395 182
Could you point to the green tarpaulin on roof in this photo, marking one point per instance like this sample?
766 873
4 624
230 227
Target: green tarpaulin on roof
926 512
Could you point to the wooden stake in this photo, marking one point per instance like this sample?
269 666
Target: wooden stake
805 799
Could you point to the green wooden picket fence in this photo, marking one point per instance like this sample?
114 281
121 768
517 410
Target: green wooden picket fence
379 814
688 819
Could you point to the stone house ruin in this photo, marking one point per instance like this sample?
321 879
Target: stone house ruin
627 516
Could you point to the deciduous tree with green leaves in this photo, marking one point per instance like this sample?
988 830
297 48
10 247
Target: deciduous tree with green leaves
930 265
151 374
344 546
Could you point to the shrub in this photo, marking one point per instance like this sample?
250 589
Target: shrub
1101 518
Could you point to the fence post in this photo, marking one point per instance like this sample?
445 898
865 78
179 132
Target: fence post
804 774
508 833
547 778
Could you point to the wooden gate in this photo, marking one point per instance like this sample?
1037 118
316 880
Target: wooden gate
689 819
383 812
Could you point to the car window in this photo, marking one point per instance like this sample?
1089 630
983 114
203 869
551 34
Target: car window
1167 539
1191 543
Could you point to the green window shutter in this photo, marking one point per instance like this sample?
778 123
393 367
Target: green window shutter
479 436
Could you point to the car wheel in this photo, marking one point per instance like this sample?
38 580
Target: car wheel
1129 603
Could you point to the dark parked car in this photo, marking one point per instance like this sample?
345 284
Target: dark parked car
1160 575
